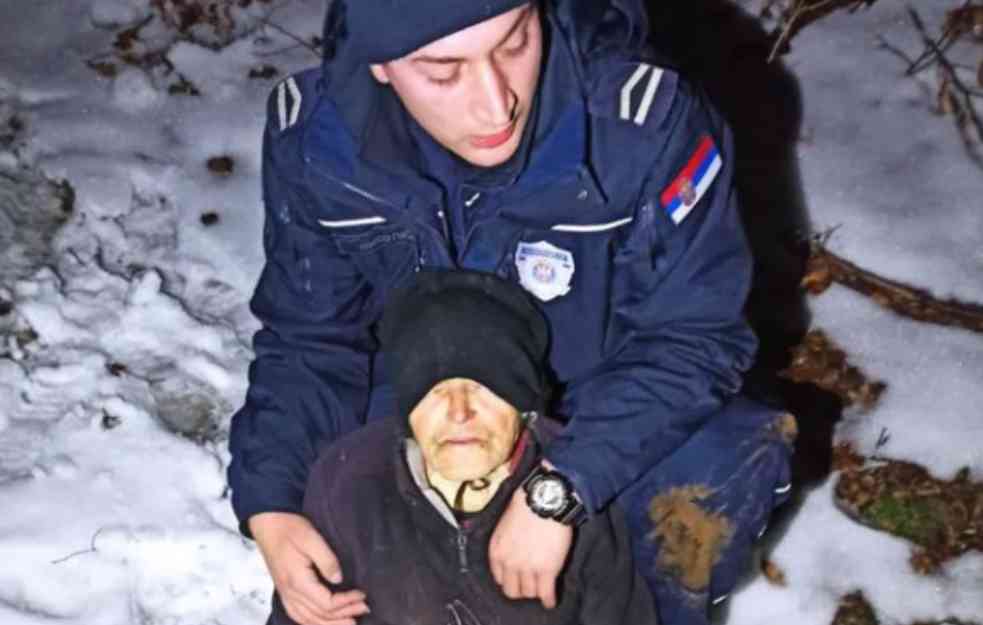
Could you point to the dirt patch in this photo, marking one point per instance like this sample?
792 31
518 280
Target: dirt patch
214 24
32 210
818 360
691 538
943 518
854 609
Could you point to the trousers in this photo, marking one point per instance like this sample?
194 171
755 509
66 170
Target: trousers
696 515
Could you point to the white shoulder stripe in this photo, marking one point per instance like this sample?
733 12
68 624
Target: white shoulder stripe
629 87
281 105
351 223
611 225
288 102
650 90
297 99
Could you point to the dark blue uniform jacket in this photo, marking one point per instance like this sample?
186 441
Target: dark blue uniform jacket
618 211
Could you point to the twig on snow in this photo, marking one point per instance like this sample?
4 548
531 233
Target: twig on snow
91 549
962 108
300 41
794 19
825 267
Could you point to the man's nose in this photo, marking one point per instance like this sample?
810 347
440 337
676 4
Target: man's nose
495 98
459 406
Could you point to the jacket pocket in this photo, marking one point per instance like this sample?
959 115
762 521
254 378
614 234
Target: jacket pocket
386 253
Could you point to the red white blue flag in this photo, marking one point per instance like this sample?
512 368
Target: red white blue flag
685 192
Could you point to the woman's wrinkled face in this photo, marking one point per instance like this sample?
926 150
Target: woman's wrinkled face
464 430
473 89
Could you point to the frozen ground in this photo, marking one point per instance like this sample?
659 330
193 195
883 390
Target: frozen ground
123 321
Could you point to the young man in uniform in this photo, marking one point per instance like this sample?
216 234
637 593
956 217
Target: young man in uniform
545 143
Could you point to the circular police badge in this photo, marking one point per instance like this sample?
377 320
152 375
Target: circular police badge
545 270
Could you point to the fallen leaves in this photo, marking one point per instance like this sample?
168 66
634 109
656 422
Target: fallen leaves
855 609
817 360
213 24
943 518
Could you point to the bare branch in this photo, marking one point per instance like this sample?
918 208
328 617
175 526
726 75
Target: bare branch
825 267
301 42
968 111
91 549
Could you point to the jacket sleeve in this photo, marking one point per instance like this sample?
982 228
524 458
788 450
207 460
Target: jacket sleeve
309 382
614 591
318 505
678 342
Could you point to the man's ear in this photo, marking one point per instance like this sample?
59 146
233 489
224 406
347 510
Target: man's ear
379 73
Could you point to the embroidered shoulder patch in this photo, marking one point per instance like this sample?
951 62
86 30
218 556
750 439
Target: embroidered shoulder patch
679 198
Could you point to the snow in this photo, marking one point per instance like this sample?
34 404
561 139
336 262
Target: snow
112 454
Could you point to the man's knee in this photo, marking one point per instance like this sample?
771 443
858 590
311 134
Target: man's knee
703 508
690 537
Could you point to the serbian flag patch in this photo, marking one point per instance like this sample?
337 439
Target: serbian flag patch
685 192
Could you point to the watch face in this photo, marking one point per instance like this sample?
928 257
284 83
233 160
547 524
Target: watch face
549 495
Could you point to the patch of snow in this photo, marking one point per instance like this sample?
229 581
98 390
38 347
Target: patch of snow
134 92
116 13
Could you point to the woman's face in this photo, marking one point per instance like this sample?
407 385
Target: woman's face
464 430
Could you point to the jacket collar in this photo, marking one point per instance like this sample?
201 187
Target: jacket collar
415 489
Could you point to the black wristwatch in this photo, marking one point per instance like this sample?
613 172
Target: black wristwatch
551 496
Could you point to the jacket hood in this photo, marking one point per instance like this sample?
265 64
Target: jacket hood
379 126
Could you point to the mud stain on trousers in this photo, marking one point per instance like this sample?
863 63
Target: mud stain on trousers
691 538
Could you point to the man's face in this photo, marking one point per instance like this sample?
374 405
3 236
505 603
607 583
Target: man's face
464 430
472 90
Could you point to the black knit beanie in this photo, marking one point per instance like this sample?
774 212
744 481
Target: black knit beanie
384 30
464 324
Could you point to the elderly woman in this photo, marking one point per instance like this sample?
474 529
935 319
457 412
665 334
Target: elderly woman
410 503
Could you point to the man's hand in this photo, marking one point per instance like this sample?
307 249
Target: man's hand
527 552
292 548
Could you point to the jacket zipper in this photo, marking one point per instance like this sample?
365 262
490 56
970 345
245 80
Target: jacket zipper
462 551
443 222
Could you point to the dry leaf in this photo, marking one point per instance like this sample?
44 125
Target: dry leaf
103 68
221 165
773 573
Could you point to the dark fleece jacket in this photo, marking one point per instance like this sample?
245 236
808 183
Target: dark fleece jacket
420 567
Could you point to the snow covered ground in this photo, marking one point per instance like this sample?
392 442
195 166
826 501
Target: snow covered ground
123 313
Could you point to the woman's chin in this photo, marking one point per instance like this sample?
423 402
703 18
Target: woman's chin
464 464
